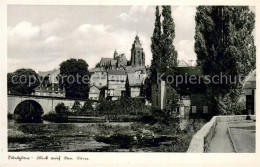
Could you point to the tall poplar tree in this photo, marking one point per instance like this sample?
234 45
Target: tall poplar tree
156 41
224 44
169 54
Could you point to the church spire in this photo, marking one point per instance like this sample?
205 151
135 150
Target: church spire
115 54
137 53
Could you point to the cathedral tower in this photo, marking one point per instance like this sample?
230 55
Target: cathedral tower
115 55
137 53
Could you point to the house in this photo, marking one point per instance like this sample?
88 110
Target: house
191 97
94 93
116 84
135 80
50 84
51 90
249 88
135 83
98 77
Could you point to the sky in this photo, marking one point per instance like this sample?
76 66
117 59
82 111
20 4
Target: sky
41 37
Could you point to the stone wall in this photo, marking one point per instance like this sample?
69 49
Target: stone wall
47 104
202 138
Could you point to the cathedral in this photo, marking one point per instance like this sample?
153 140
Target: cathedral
129 74
119 61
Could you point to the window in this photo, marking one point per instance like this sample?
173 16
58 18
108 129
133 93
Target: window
205 110
193 109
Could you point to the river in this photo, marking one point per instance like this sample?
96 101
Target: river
96 137
56 137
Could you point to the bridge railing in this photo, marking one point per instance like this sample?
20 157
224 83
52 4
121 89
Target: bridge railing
51 97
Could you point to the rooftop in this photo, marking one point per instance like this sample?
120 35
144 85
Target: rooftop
51 72
117 72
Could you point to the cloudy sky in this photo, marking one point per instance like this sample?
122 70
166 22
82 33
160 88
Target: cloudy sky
41 37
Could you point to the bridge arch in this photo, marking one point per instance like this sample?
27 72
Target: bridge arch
28 111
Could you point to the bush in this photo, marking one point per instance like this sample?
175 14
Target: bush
76 107
61 109
126 106
87 107
54 117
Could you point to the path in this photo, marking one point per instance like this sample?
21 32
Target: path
221 142
243 136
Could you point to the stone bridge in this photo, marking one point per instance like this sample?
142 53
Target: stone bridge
47 103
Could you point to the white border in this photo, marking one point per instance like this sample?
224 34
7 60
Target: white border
117 159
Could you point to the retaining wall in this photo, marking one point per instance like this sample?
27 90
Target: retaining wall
201 140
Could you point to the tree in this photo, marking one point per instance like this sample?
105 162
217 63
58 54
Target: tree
87 106
169 54
61 109
97 65
156 41
224 44
76 106
22 81
74 77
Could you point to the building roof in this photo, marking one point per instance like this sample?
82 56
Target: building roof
250 81
182 63
95 88
100 69
131 69
52 75
117 72
113 62
51 88
122 60
197 71
137 43
105 61
51 72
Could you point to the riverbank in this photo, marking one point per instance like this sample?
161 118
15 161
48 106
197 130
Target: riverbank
97 137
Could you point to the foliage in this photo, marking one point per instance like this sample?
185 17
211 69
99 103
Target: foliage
60 115
61 109
87 106
146 90
169 54
22 81
76 106
97 65
169 115
52 116
75 77
126 106
224 44
156 41
231 104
